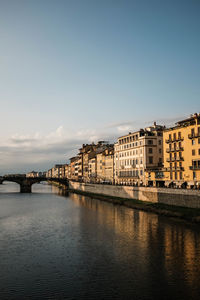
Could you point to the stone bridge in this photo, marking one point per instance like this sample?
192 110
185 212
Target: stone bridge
27 182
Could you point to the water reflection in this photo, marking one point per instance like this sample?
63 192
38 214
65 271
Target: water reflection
157 241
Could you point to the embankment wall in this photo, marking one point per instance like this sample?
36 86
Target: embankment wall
176 197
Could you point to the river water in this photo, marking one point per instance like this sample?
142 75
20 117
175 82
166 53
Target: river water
75 247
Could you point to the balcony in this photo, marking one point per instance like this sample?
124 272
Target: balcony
172 140
179 148
168 141
194 135
173 169
168 150
175 159
180 158
191 136
178 139
179 169
194 168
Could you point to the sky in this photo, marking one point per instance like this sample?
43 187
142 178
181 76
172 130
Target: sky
76 71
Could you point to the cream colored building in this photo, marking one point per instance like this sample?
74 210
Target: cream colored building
32 174
137 152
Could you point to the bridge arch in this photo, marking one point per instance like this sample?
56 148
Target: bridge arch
14 187
27 182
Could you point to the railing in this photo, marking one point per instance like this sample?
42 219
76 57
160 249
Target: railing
191 135
168 141
172 140
194 135
131 176
174 169
175 159
194 167
180 158
168 150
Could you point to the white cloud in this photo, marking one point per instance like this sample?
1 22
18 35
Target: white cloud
21 153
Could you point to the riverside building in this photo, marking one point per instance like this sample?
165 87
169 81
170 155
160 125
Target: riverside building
136 153
182 153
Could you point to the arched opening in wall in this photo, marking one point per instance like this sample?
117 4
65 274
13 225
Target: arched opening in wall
171 185
160 183
9 187
184 185
42 187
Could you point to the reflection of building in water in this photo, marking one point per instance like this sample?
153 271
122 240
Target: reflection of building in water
131 227
146 235
183 245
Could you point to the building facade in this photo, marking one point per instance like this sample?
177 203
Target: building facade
136 153
182 153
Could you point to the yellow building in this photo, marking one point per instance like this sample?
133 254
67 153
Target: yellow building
92 168
100 166
182 153
109 165
105 164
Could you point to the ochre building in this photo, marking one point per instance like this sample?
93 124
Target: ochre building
182 153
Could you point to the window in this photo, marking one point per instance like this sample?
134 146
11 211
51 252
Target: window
150 142
192 131
150 150
141 172
193 152
174 135
199 141
150 159
199 151
159 142
160 150
193 142
175 175
194 175
181 175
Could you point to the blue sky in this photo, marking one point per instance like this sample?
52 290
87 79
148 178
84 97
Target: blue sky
76 71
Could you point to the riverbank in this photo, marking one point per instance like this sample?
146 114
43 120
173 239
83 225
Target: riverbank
187 214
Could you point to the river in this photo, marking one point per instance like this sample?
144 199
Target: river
74 247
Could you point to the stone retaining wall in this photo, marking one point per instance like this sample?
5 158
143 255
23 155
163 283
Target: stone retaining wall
176 197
